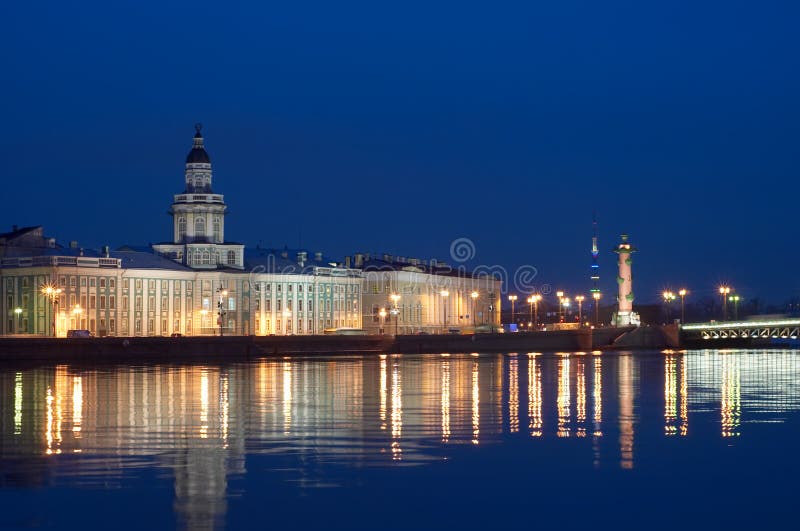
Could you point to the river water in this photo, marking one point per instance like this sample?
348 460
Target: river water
473 441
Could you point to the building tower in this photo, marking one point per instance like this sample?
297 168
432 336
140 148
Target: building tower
198 218
625 316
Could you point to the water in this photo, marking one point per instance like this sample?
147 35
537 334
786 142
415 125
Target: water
618 440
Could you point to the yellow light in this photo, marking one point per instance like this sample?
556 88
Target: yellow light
596 296
682 292
444 293
395 297
382 313
512 297
559 294
474 294
579 298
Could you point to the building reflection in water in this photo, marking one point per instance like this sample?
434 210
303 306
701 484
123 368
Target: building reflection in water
199 421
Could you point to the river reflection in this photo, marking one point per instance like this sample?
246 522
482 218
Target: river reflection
199 423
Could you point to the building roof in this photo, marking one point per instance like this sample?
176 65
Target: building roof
283 261
146 260
198 153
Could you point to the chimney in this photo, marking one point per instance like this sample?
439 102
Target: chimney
347 261
73 244
105 251
302 257
318 256
359 260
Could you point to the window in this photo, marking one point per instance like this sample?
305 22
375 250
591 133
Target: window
151 326
151 304
102 282
72 301
199 227
310 305
112 283
164 303
83 282
124 302
138 284
112 326
231 303
112 302
218 230
102 302
181 229
277 305
231 257
300 288
268 305
73 281
139 303
289 289
91 282
205 258
151 285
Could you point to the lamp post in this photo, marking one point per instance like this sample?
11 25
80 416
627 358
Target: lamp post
735 300
668 298
560 295
724 291
682 292
18 311
580 299
596 296
531 301
395 310
203 314
474 296
220 308
513 299
382 314
76 313
52 293
444 293
287 314
566 303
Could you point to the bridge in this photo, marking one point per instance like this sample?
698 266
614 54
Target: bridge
767 329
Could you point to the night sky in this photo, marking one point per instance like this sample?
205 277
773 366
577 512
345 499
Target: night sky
400 126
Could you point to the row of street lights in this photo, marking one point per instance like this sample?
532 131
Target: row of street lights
563 304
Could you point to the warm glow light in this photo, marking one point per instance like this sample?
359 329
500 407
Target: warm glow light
596 295
512 297
444 293
474 294
682 292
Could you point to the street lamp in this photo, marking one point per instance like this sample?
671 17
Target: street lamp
444 293
682 292
474 296
580 299
513 299
18 311
668 298
220 308
395 310
287 314
560 295
52 293
76 313
565 302
596 296
533 300
382 314
735 300
724 291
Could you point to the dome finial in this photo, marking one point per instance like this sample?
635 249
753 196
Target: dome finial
197 127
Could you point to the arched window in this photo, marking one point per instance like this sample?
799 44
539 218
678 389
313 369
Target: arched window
217 229
181 229
231 257
206 260
199 227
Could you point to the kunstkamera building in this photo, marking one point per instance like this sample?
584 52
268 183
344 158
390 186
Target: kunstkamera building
202 284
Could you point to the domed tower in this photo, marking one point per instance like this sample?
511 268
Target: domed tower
198 218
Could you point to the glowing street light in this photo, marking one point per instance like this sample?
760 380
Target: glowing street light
533 300
382 314
395 310
580 299
560 295
18 311
474 296
724 291
52 293
668 298
221 308
565 302
596 296
735 300
682 292
513 299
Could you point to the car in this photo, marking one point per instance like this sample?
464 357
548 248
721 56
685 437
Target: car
176 334
79 333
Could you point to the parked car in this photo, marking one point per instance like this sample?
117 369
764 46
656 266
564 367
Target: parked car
79 333
176 334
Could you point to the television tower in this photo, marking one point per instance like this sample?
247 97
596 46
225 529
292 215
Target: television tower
595 267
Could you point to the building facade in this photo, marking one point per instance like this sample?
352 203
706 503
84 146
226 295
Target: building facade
200 283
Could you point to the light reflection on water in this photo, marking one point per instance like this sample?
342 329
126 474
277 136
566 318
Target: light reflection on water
200 423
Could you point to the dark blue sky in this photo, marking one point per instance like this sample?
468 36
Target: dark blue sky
400 126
